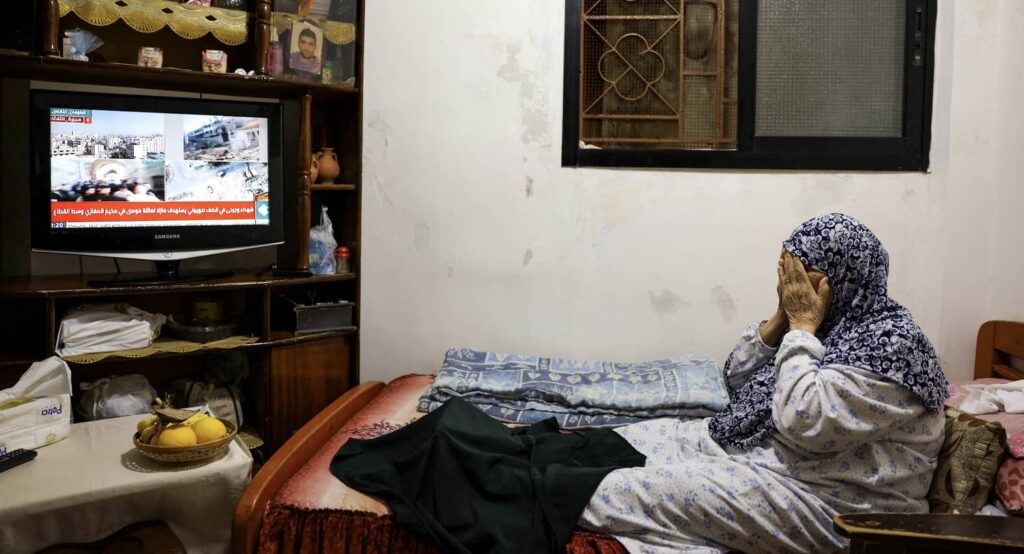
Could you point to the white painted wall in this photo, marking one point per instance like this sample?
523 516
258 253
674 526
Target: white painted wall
474 235
983 210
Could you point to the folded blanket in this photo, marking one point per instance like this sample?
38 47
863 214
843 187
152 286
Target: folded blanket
525 389
566 420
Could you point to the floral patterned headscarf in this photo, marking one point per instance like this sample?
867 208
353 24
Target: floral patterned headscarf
863 328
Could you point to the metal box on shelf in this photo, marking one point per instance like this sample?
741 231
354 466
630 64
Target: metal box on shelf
199 332
312 313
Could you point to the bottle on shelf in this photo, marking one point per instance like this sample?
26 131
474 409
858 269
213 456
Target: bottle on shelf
275 55
327 74
341 255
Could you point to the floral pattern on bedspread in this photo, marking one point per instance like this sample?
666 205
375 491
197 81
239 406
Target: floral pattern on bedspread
314 487
374 430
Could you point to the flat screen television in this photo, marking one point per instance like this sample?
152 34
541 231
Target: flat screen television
154 178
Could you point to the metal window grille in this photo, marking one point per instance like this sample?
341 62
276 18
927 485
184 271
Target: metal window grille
659 73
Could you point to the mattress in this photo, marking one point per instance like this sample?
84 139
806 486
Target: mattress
316 512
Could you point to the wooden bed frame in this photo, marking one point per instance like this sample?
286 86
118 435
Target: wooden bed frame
997 342
304 444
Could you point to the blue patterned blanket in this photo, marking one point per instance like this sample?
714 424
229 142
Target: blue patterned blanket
526 389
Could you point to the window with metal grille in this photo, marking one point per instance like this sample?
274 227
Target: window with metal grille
798 84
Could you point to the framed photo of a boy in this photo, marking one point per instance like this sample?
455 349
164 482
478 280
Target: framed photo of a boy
306 47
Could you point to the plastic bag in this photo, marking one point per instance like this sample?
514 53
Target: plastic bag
78 43
322 246
116 397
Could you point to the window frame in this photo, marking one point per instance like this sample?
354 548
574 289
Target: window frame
907 153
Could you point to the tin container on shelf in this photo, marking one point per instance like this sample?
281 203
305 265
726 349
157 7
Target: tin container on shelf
200 332
312 313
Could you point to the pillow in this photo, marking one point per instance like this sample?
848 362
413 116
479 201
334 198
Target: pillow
967 464
1010 485
1012 423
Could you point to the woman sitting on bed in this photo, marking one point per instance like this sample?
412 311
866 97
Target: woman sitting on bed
840 413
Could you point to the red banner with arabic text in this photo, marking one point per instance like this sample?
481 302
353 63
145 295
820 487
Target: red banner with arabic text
112 212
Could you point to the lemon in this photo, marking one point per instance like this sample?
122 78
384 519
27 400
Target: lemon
209 429
198 416
147 434
148 422
176 435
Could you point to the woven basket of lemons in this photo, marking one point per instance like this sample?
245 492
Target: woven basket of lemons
181 436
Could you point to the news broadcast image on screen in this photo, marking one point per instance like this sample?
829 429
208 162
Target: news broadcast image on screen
169 169
215 138
228 181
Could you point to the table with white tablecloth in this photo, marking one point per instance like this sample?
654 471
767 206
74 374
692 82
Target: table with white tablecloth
95 482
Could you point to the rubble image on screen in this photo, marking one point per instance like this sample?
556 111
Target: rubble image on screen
221 138
217 181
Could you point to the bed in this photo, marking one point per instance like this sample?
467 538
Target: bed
294 504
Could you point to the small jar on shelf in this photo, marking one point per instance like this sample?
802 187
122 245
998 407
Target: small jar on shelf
341 255
275 55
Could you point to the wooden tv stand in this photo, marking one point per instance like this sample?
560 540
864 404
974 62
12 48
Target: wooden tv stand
291 378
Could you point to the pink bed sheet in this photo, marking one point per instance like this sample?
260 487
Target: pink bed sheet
1013 423
315 488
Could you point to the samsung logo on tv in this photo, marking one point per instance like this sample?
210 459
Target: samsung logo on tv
168 236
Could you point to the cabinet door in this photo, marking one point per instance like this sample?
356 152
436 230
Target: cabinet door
304 379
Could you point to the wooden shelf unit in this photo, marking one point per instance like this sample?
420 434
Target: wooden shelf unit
292 377
78 285
339 188
99 73
277 338
41 303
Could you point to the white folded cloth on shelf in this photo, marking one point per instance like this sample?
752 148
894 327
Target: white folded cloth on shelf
107 328
988 399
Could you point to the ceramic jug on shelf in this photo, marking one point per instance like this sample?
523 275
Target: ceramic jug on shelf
314 168
328 165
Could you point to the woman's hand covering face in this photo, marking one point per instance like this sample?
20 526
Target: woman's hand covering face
804 302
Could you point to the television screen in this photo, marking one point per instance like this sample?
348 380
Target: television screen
138 169
136 174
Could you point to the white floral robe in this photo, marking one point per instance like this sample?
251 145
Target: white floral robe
847 440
